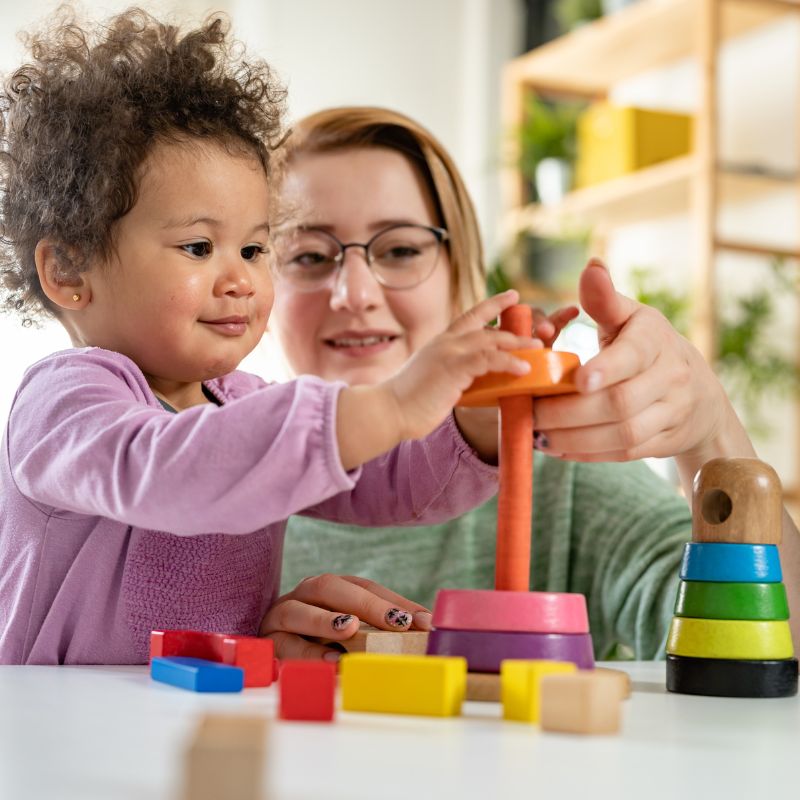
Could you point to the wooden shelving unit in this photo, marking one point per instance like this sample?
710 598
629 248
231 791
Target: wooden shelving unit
588 63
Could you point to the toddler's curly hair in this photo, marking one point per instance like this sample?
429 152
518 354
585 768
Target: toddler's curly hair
78 121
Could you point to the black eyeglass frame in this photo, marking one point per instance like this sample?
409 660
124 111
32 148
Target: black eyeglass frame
441 235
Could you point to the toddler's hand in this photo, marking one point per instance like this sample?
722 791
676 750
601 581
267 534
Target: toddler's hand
330 607
431 382
547 326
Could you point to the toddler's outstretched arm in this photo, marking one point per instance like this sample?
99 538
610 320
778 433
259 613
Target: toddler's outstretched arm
373 419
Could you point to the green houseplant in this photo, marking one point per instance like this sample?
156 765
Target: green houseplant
546 138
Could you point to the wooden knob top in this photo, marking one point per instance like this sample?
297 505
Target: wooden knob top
737 500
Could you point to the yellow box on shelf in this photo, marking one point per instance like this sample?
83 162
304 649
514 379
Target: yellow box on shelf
520 686
400 684
617 140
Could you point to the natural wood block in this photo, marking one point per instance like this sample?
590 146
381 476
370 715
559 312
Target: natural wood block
729 638
622 678
584 702
737 500
483 687
521 686
402 684
225 758
373 640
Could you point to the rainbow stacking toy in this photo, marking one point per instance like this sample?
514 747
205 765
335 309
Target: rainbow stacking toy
730 634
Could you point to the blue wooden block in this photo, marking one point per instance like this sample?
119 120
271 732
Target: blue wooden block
197 674
723 561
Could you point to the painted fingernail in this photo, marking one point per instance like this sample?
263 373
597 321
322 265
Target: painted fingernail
341 622
593 381
331 656
540 441
423 619
397 618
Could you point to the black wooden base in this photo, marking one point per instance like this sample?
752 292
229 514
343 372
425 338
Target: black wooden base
720 677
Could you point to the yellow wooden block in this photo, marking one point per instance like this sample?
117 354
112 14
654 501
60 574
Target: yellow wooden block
520 686
730 638
401 684
616 140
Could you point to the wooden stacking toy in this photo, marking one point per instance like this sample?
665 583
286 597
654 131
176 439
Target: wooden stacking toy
484 626
730 634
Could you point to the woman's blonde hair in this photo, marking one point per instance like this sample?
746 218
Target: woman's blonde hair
366 126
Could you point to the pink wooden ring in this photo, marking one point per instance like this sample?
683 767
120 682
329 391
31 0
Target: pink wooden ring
523 612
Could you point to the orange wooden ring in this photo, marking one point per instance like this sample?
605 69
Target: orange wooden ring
551 372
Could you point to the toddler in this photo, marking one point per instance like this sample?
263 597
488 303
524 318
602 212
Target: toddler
144 481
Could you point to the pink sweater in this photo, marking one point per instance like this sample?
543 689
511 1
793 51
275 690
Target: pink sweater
118 517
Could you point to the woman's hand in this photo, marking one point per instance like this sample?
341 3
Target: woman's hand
648 392
331 607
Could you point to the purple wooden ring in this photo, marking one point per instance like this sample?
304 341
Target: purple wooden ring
529 612
484 650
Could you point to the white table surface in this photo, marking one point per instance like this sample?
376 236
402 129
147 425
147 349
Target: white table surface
110 732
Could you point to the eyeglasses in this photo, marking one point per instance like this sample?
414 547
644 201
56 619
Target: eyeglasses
400 257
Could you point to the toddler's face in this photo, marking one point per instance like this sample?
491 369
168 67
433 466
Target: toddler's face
188 291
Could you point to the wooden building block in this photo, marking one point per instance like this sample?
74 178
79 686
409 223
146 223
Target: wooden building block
489 610
731 563
307 690
483 687
729 638
196 674
737 500
402 684
709 600
225 759
622 678
520 686
255 655
584 702
373 640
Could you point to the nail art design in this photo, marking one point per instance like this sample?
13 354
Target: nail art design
540 441
397 618
341 622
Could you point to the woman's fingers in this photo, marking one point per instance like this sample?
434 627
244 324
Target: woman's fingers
290 645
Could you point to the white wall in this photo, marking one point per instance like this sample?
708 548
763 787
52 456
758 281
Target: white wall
436 60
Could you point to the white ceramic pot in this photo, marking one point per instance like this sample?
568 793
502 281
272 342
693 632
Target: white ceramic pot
553 179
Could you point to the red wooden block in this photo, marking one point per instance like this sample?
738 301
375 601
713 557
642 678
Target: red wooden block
252 654
307 690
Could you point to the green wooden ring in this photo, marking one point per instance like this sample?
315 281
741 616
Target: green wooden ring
708 600
729 638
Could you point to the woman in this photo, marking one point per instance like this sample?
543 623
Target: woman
380 250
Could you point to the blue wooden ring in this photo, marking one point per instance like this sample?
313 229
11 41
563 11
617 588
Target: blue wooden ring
724 561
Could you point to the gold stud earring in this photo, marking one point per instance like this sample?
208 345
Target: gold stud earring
76 297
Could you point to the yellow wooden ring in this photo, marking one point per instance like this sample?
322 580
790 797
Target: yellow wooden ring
552 372
729 638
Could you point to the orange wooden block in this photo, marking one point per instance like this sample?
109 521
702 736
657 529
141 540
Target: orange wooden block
583 702
552 372
737 500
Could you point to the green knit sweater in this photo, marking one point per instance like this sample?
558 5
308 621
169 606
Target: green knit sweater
613 532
